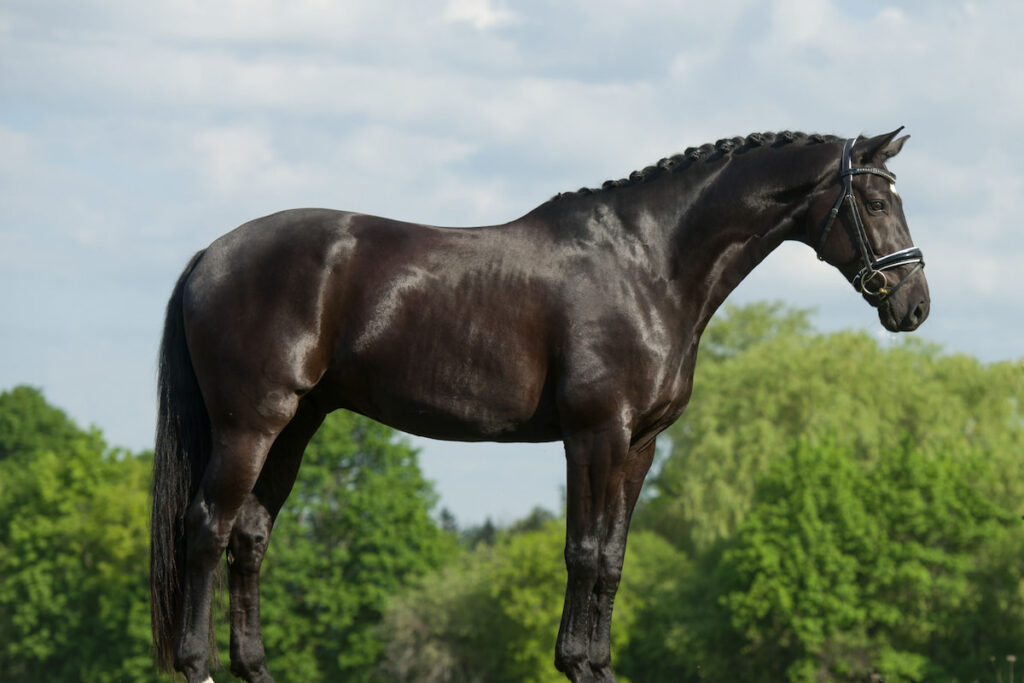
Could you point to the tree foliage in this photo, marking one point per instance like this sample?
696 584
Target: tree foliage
847 505
493 614
829 506
73 550
843 568
355 529
753 398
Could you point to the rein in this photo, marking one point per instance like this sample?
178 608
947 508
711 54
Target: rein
872 273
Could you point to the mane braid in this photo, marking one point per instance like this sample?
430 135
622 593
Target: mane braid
707 152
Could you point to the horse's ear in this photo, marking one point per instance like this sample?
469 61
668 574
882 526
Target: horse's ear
879 148
894 147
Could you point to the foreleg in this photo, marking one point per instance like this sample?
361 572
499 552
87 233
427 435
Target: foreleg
591 459
624 488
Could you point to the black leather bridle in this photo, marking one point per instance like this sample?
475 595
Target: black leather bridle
871 280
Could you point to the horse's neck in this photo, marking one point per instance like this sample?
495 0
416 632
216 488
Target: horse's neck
728 220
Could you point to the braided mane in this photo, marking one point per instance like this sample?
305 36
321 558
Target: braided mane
706 152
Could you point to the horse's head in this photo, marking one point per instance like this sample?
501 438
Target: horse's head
872 245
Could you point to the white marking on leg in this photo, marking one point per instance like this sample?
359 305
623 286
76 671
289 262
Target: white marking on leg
208 679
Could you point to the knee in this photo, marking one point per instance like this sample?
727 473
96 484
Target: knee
611 568
582 558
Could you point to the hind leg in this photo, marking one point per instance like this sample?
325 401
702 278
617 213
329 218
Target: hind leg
249 539
235 462
248 543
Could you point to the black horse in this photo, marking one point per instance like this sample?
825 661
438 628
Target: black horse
577 322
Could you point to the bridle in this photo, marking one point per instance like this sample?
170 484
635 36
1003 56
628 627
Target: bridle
871 280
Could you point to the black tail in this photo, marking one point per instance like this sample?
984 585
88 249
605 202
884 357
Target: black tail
182 451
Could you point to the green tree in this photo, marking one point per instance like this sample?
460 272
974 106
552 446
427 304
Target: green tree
738 328
841 569
355 530
29 425
493 615
648 609
880 540
73 549
753 399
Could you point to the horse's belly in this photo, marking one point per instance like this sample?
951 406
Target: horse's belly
461 415
461 421
454 399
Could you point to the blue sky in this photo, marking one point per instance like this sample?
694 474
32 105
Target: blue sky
132 134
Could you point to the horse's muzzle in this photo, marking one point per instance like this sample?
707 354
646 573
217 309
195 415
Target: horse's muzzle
905 315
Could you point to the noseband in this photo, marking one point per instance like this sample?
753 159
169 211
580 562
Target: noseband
871 280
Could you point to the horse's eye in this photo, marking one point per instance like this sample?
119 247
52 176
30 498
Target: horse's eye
876 206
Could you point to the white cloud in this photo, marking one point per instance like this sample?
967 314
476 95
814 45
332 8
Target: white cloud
233 158
894 17
480 14
796 23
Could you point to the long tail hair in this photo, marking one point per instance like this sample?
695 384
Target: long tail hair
180 458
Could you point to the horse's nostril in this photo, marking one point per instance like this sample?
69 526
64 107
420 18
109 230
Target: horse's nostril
914 317
920 313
